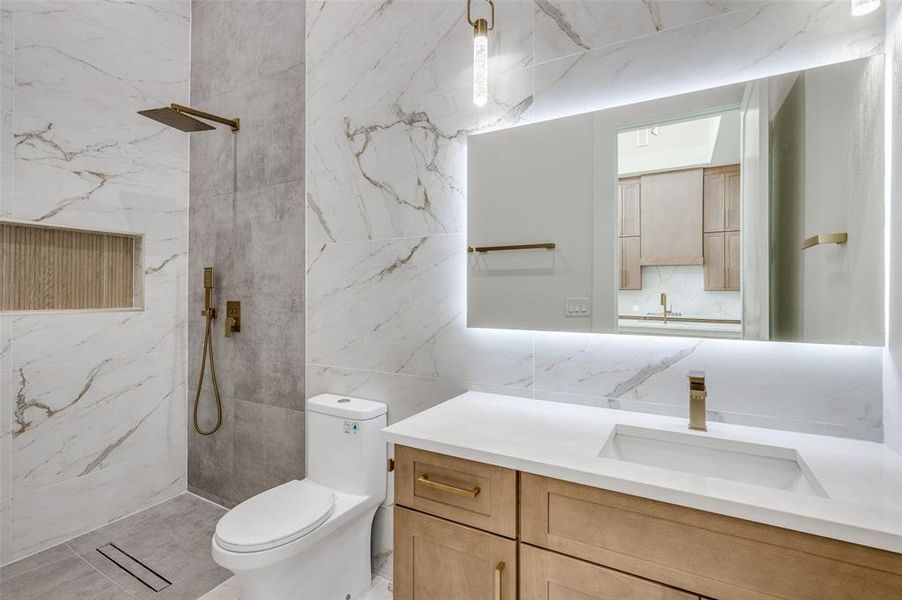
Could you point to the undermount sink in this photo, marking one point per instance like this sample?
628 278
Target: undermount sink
766 466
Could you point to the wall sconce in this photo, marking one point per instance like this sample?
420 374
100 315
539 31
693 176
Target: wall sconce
481 29
863 7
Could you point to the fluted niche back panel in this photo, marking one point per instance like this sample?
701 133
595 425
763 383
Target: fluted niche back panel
48 268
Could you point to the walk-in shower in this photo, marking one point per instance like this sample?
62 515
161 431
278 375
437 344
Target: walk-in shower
183 118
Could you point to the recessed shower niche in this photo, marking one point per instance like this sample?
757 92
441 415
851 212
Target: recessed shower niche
50 268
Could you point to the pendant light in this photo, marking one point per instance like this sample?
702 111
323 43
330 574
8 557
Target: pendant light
481 29
863 7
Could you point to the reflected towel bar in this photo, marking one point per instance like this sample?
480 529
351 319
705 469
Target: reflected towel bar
825 238
544 246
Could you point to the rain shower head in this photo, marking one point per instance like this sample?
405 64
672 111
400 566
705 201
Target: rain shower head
182 118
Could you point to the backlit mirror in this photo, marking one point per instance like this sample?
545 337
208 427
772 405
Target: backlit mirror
750 211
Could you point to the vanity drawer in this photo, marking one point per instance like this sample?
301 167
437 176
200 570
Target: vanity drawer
435 559
468 492
546 575
710 554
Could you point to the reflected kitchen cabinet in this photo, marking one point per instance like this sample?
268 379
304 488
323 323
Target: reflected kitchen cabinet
628 202
630 269
671 218
721 224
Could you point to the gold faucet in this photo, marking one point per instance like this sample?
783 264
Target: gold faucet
697 395
664 308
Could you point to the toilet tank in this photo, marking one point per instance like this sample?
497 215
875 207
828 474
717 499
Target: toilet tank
345 450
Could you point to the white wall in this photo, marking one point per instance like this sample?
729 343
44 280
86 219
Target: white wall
386 182
530 185
93 404
843 285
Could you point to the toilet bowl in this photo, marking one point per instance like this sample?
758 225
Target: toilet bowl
309 539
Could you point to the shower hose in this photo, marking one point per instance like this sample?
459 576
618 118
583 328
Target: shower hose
208 348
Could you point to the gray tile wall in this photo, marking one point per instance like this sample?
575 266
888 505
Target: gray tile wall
247 221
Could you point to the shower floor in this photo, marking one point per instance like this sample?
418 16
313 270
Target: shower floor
166 547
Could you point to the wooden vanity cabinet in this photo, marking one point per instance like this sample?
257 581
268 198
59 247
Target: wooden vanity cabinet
435 559
712 555
547 575
557 540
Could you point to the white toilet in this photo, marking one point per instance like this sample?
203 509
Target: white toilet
310 539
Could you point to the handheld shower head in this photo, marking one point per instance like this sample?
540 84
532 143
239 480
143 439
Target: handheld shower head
208 292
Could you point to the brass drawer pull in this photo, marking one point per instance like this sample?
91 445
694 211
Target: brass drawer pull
424 479
498 571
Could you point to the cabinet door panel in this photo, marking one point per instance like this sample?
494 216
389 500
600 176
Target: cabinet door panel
670 217
731 261
715 200
630 269
732 208
548 576
435 559
629 206
434 483
710 554
715 270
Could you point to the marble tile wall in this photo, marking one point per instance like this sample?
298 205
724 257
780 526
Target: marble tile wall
93 404
386 203
247 221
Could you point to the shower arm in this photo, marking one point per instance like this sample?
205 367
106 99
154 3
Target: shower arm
235 124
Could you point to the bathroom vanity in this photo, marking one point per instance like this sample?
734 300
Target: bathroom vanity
502 498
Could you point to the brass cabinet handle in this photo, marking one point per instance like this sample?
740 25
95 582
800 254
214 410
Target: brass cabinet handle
424 479
498 571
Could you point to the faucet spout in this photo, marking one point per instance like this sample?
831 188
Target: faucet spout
698 394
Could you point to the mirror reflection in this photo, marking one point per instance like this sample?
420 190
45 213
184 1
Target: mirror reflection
750 211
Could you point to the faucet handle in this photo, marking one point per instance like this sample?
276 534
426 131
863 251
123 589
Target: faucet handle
696 377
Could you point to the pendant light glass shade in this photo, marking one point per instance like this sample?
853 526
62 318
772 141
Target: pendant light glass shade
480 64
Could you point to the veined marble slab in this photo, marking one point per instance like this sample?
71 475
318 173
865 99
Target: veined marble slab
862 479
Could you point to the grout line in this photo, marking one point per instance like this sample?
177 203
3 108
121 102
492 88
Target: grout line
207 500
464 382
53 562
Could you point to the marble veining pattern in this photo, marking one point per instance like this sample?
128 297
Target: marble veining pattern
94 403
386 202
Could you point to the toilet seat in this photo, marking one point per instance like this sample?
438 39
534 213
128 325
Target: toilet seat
275 517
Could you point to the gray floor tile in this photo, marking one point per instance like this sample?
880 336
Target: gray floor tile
172 538
41 559
67 579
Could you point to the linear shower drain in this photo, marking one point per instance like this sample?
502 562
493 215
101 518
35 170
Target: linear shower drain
134 567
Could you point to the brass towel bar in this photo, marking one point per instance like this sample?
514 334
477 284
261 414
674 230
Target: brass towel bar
825 238
543 246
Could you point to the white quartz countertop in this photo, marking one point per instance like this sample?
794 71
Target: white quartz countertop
862 480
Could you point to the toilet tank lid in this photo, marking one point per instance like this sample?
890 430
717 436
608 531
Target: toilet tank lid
346 406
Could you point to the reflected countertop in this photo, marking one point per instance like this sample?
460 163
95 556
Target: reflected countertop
683 325
862 480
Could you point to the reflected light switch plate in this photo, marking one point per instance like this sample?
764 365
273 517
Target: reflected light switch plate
578 307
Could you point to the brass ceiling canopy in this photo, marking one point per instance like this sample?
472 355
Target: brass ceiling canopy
182 118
